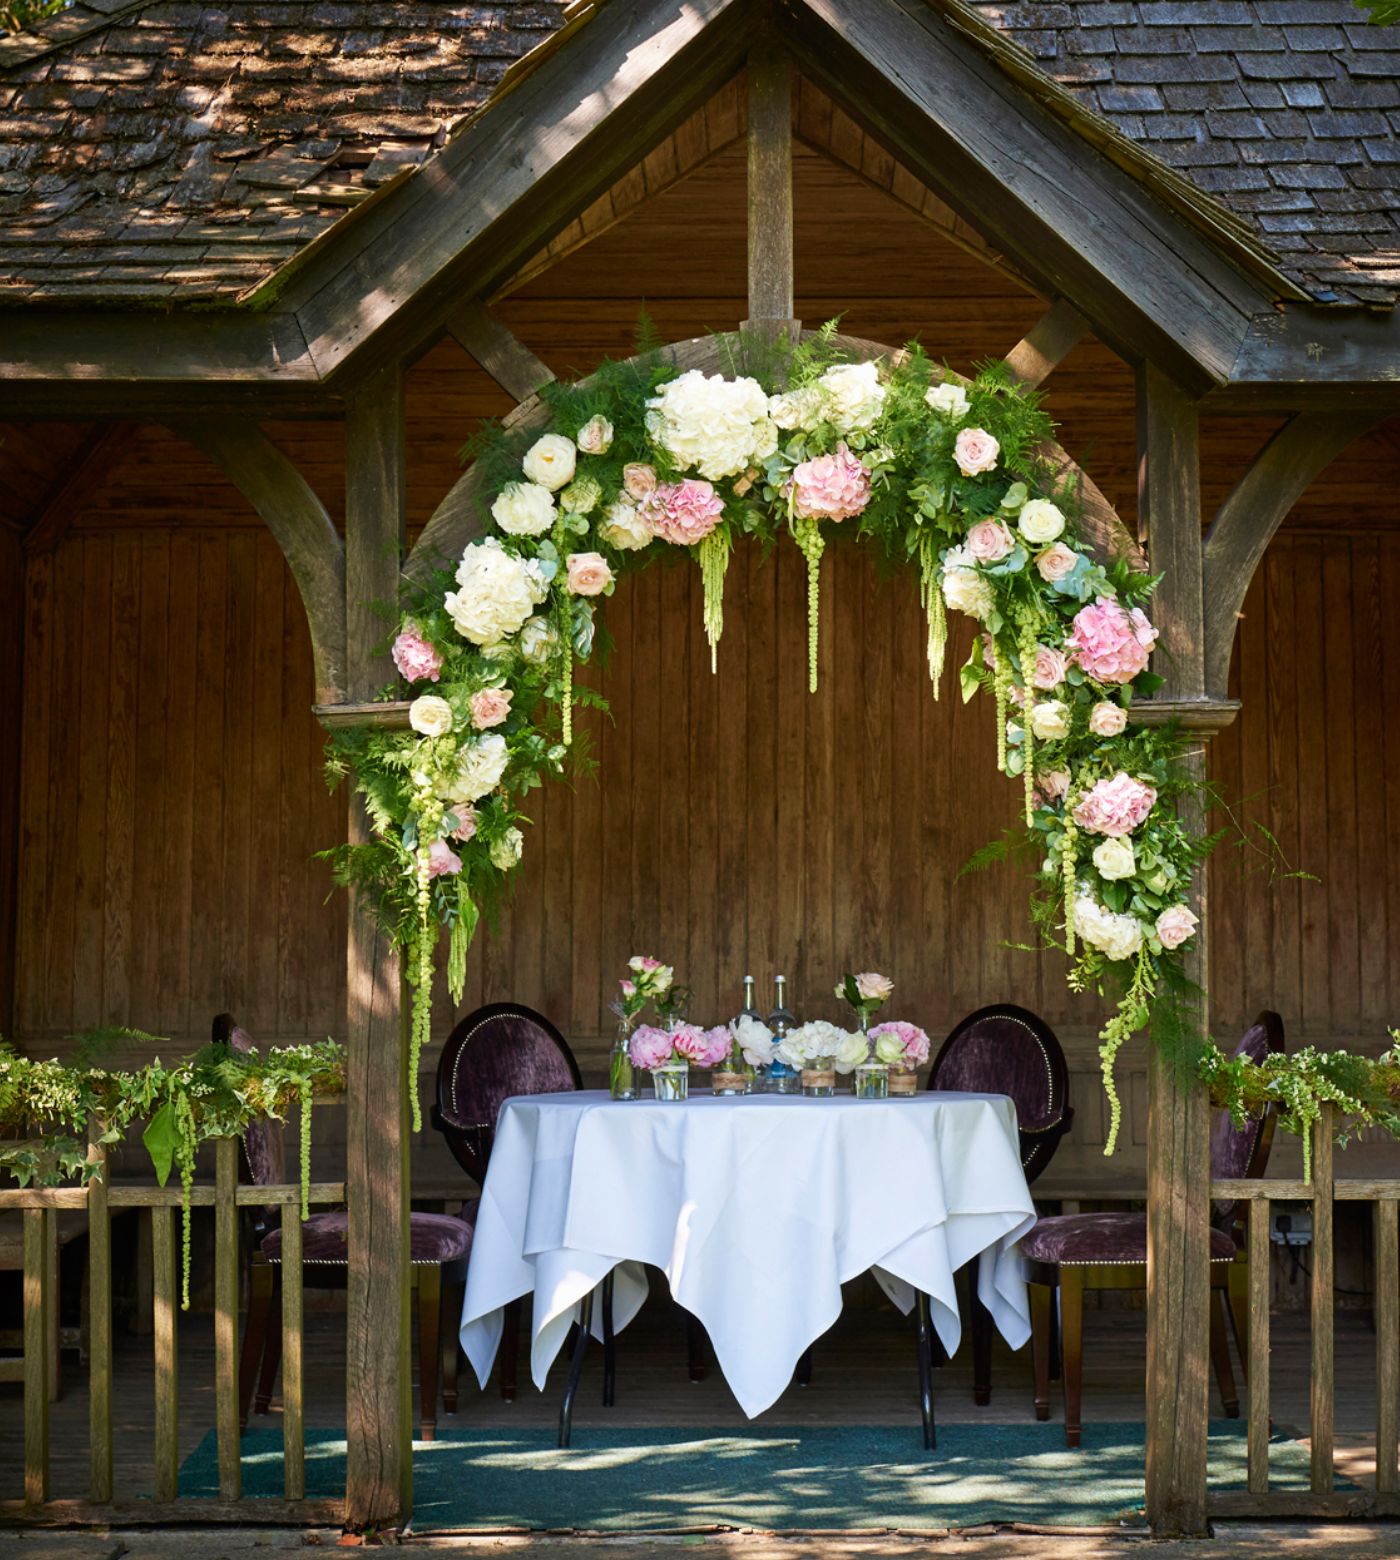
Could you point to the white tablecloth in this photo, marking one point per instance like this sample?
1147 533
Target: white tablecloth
757 1209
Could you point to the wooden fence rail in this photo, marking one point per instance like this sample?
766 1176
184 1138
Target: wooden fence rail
1322 1499
39 1206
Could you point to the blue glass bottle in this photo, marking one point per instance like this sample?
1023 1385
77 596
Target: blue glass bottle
781 1079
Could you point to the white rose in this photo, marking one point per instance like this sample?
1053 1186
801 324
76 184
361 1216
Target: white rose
1040 522
1116 936
623 527
1107 720
538 640
430 716
853 1049
596 436
854 395
889 1049
524 509
506 851
1115 859
964 589
479 769
496 593
711 425
1050 720
550 461
948 400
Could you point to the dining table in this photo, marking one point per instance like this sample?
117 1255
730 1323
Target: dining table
756 1209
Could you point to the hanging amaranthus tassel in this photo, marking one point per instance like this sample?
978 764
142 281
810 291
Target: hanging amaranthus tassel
714 564
1069 865
931 595
1027 735
422 954
566 696
811 542
1001 686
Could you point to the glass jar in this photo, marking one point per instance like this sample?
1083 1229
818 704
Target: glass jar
623 1083
903 1081
672 1081
819 1078
872 1081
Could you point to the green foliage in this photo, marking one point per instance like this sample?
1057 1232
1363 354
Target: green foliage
16 15
1383 13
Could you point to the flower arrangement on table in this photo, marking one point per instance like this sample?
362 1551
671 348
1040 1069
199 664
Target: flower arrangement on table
866 994
903 1048
820 1050
668 1054
647 980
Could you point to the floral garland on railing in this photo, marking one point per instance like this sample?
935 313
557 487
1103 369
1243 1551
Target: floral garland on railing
213 1093
953 477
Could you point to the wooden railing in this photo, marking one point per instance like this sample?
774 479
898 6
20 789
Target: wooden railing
39 1206
1323 1192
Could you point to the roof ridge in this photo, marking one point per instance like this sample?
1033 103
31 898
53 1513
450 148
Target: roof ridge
79 20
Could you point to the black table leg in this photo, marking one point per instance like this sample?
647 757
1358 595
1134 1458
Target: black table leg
802 1375
566 1408
609 1346
924 1325
981 1338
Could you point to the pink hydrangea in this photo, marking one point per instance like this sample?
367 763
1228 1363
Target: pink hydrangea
682 512
415 658
650 1047
443 861
830 487
1110 643
1115 807
912 1039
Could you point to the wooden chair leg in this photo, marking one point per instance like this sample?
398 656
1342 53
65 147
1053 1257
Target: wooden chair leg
1238 1278
1072 1349
451 1346
429 1346
695 1346
261 1281
1220 1355
510 1350
1042 1332
981 1342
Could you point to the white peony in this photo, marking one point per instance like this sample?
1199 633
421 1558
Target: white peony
1049 720
1115 859
711 425
1116 936
550 461
964 589
948 400
479 769
853 1050
623 527
496 593
538 640
854 395
507 850
430 716
524 509
755 1040
1040 522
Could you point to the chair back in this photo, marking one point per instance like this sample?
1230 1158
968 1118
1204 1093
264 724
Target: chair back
1003 1049
1243 1152
499 1051
264 1141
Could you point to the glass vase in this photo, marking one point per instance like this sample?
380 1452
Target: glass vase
623 1083
903 1081
872 1081
819 1078
671 1082
733 1075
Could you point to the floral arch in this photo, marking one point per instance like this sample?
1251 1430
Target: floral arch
697 446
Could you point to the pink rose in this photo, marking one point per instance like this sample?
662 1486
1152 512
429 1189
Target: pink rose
1107 720
1175 925
989 541
1109 643
1049 669
975 451
682 512
443 861
650 1047
466 821
1056 562
415 658
490 707
589 574
1115 807
639 479
1054 785
830 487
628 988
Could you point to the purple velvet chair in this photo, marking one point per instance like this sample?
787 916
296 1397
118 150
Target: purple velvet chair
439 1246
1004 1049
1079 1251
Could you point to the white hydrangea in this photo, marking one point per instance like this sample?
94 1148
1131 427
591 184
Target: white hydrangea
507 850
964 589
854 395
1116 936
479 770
550 461
814 1041
802 408
496 592
623 527
524 509
711 425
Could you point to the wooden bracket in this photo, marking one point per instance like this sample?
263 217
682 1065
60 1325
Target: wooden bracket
499 351
1049 342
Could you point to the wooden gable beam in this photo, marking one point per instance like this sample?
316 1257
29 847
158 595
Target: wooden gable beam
499 351
94 462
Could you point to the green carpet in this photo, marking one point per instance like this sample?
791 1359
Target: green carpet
774 1477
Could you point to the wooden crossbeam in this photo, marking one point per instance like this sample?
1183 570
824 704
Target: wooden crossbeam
1049 342
499 350
94 462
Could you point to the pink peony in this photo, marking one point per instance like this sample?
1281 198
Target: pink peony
650 1047
1056 562
975 451
443 861
682 512
690 1042
1106 719
1115 807
639 480
415 658
989 541
911 1038
1049 669
1175 925
1110 644
490 707
589 574
1055 784
712 1049
830 487
466 821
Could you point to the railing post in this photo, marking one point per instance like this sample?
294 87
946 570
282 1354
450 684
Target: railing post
1258 1346
1387 1345
36 1357
226 1316
1324 1266
99 1318
164 1310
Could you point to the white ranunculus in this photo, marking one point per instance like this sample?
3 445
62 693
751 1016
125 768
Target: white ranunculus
1116 936
854 395
479 769
596 435
581 496
797 408
1040 522
711 425
948 400
623 527
852 1051
550 461
1115 859
538 640
496 593
1050 720
964 589
755 1040
506 851
430 716
524 509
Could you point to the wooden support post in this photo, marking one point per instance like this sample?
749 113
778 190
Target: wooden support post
226 1268
164 1308
1387 1302
1178 1116
37 1301
771 304
1323 1416
293 1418
99 1320
1257 1347
378 1411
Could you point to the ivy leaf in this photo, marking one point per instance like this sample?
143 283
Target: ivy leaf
161 1138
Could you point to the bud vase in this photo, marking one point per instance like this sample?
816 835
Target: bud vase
671 1082
872 1081
623 1083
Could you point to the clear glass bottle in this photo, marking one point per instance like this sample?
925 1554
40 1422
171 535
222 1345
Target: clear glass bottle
623 1080
781 1078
